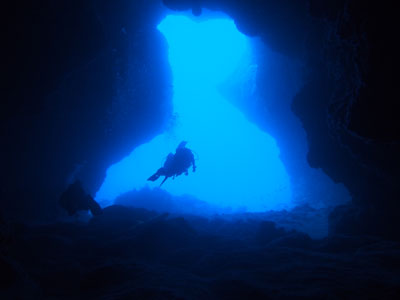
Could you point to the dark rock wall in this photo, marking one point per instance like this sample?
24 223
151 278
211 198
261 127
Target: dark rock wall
85 82
356 139
347 105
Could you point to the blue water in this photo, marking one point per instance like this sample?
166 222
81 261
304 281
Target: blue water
238 165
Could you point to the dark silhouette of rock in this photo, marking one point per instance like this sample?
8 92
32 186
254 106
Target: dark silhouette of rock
8 275
346 106
268 232
80 87
75 199
158 255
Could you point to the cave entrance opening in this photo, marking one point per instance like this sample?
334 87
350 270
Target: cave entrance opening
238 164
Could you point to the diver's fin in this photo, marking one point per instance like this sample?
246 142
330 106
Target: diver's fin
165 178
153 177
156 175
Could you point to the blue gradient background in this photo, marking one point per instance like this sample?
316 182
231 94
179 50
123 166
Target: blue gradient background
238 164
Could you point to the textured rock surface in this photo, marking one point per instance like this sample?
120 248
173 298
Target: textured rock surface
82 79
133 253
347 105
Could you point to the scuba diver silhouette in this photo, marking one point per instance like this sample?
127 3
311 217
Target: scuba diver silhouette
176 164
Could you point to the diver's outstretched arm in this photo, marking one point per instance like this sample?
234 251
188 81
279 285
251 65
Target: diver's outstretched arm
194 165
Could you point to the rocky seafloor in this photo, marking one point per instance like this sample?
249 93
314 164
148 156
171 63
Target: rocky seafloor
132 253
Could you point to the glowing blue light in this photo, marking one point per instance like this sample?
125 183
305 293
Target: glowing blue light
238 164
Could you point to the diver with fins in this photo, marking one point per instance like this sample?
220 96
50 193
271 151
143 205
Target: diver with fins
176 164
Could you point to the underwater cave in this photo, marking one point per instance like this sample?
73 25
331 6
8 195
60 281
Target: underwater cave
238 163
287 109
216 108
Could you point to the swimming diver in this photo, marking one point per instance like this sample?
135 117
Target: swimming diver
176 164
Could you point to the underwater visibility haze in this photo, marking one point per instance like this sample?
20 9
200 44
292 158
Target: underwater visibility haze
238 165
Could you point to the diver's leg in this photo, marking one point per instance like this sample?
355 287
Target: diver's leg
165 178
153 177
157 174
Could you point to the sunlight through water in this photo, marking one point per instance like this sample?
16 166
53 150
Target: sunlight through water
238 164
